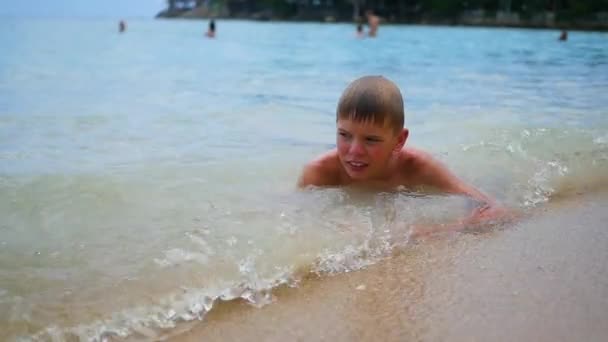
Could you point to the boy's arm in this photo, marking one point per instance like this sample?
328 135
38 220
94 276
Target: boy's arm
435 174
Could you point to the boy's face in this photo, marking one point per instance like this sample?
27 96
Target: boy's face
365 148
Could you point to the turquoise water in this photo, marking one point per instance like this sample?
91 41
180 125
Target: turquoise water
145 175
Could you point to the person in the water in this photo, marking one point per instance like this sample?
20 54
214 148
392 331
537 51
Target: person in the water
371 151
360 33
373 21
122 26
211 31
563 36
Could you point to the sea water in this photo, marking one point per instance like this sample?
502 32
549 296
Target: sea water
147 176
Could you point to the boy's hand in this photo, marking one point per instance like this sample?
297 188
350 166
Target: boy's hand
489 215
481 219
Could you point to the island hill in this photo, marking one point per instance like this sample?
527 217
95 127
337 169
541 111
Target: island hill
565 14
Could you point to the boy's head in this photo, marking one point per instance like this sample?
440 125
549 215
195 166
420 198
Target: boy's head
370 119
372 99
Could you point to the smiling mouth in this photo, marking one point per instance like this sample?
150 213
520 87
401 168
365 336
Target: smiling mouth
357 165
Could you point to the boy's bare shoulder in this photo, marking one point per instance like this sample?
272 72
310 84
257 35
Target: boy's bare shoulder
423 169
420 168
321 171
415 160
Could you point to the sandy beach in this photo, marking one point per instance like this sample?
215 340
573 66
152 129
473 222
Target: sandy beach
543 279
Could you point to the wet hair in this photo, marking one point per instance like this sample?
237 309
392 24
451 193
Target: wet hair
372 99
212 26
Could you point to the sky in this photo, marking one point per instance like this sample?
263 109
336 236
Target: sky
81 8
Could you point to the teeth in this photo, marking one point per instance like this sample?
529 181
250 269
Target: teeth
356 164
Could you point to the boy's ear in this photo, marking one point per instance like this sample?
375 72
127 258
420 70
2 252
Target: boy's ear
401 139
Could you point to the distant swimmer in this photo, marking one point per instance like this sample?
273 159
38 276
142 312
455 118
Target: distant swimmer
373 21
122 26
360 33
211 32
563 36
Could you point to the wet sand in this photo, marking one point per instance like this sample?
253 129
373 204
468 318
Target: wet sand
543 279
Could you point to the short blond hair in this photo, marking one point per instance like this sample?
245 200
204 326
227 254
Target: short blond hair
372 98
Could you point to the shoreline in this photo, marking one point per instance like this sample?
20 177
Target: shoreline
546 271
391 24
602 28
587 26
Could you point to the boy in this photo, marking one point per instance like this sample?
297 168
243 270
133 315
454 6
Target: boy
371 151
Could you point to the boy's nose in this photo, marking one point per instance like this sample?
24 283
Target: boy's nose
357 148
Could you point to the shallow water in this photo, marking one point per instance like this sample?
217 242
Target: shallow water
543 279
147 174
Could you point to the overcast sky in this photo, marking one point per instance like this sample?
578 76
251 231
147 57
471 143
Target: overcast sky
81 8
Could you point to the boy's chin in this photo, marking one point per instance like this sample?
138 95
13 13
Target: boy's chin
358 175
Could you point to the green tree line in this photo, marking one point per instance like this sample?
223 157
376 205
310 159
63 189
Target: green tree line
404 9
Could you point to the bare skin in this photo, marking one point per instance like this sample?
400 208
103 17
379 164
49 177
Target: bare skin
375 155
373 21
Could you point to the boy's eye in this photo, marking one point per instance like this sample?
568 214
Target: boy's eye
373 139
344 134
